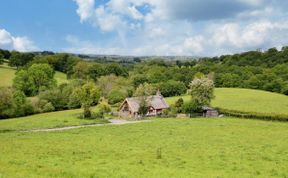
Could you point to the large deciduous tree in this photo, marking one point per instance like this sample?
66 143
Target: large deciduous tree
202 92
35 78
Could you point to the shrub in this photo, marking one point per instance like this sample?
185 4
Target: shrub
116 96
28 108
178 105
104 107
98 115
56 97
48 107
172 88
6 102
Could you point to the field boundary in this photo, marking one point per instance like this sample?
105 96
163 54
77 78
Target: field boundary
254 115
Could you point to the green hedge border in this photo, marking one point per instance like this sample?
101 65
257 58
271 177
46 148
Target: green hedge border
254 115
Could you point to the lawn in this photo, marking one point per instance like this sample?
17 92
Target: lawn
161 148
46 120
246 100
7 75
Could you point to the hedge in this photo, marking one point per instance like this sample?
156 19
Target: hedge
255 115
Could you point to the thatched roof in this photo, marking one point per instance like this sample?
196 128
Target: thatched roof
157 102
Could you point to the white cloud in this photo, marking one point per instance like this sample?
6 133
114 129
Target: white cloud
107 21
195 27
7 41
85 9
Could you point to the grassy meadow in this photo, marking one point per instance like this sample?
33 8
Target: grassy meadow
246 100
46 120
60 77
7 75
161 148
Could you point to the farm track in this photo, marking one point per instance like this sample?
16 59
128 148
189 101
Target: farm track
112 122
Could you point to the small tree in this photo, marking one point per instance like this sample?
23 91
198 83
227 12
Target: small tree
142 92
202 92
178 105
143 106
88 95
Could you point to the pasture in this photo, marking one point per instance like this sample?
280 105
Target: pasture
246 100
46 120
224 147
7 75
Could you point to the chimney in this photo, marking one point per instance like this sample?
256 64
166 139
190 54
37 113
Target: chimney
158 93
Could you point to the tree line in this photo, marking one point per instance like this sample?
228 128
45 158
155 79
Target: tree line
115 80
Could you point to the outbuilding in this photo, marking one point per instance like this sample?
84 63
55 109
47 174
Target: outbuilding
210 112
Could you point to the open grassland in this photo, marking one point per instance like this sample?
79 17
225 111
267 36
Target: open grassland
46 120
246 100
60 78
161 148
7 75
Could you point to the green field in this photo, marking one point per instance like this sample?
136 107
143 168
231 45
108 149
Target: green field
7 75
46 120
60 78
189 148
246 100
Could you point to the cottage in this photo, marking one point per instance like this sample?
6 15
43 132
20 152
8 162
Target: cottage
130 107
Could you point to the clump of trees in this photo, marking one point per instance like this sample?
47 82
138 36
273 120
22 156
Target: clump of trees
121 78
35 78
13 103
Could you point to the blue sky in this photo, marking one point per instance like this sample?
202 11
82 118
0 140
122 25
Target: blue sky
143 27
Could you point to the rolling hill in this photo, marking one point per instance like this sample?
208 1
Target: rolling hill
7 75
246 100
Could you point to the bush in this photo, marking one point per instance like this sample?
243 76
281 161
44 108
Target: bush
116 96
178 105
104 107
48 107
172 88
190 107
98 115
56 97
28 108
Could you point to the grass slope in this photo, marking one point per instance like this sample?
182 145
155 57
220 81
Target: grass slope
246 100
46 120
7 75
189 148
60 78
